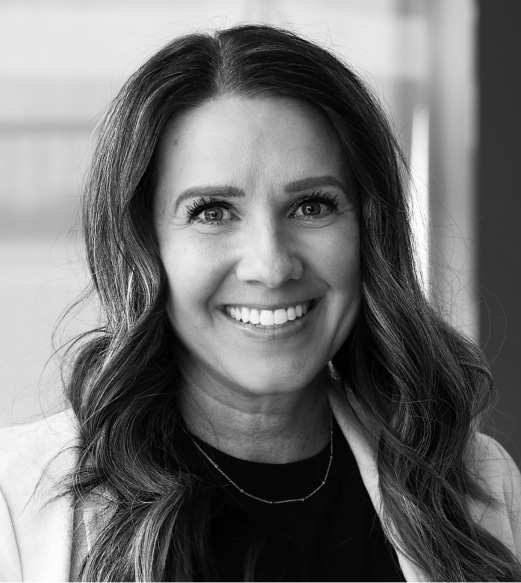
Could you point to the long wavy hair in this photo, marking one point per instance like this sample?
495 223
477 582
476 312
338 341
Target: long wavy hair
422 385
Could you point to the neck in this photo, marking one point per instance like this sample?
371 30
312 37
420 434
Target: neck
275 428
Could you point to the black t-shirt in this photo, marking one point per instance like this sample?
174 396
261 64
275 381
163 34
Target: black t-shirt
335 535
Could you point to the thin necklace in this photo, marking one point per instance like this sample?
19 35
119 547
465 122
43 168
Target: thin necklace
242 491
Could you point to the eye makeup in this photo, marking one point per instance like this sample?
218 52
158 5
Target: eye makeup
220 211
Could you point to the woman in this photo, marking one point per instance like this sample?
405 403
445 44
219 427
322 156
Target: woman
270 396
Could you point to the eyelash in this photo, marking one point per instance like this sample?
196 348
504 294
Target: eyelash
197 207
330 200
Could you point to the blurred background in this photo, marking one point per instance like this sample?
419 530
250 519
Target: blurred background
445 70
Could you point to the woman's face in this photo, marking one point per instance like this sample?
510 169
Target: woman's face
256 222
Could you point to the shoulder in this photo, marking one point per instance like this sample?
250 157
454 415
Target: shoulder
495 469
26 449
498 475
54 429
34 458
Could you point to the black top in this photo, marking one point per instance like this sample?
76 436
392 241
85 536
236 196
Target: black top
335 535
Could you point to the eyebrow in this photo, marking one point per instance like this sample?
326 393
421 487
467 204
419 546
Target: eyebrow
234 192
314 182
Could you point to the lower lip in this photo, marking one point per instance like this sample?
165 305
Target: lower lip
278 331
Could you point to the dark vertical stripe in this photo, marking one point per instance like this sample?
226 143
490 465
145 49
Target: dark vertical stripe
499 207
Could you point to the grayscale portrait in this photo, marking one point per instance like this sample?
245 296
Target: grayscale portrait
265 250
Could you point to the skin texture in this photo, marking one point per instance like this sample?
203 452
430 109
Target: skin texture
257 394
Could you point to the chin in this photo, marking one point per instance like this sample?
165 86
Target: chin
263 382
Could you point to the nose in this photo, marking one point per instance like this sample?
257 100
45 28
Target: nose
268 256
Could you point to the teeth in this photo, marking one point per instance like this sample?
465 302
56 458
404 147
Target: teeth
245 315
254 316
267 317
281 316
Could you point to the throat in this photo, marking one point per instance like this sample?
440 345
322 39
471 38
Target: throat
276 437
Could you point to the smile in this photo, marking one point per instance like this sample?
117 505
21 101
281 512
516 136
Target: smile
263 317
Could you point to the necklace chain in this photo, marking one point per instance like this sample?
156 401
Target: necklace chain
242 491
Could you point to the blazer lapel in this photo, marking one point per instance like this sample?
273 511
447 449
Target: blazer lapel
362 446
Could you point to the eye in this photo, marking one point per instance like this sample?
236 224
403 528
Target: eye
212 214
310 209
315 206
209 212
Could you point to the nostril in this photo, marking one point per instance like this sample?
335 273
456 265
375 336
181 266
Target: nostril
272 272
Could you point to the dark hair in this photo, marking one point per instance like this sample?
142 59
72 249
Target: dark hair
423 386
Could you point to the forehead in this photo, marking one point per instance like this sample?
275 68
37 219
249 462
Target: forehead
234 138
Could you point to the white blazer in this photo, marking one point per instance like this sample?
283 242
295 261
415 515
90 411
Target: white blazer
36 535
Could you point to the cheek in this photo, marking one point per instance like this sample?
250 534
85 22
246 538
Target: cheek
336 257
193 274
346 273
340 268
